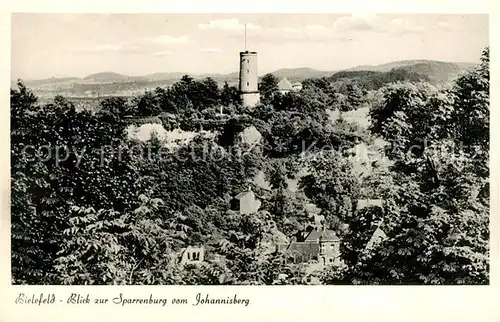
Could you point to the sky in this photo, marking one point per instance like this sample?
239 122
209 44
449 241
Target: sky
75 45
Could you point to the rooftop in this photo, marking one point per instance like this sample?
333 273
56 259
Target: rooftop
243 194
284 84
364 203
325 235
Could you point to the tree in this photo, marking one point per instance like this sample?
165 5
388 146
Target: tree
287 207
108 247
436 217
229 95
147 104
57 161
332 187
268 86
116 107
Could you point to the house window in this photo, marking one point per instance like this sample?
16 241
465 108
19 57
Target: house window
196 256
189 255
308 279
330 260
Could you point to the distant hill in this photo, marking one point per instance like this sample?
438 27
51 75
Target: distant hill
53 80
404 63
163 76
436 71
299 74
373 80
107 77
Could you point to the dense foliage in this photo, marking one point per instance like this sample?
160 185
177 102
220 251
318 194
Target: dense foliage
437 192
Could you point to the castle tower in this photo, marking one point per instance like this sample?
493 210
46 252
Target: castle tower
249 90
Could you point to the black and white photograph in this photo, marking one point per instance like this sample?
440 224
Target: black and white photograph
249 149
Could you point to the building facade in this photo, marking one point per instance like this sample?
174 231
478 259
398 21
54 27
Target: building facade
192 255
248 86
317 245
246 203
284 86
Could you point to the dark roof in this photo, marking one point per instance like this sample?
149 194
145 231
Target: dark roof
325 235
143 120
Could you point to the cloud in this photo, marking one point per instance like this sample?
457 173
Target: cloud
343 29
443 25
231 24
400 26
99 48
167 40
373 23
356 22
309 33
162 53
154 45
316 28
210 50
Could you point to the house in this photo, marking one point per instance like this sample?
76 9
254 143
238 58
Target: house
297 86
314 245
365 203
284 86
245 202
192 255
377 236
312 209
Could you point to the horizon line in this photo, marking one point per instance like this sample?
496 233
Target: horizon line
228 73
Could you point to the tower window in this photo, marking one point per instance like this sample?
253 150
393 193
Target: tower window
248 60
248 71
248 84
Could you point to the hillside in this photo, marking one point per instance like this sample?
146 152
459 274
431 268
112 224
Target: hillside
373 80
404 63
436 71
107 77
299 74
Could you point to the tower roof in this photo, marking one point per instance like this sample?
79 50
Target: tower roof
284 84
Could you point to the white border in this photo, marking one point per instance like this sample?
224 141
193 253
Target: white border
304 303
